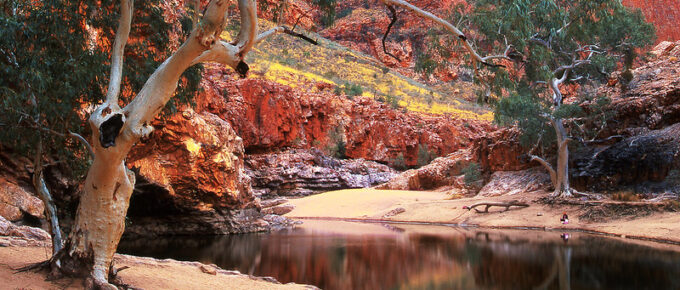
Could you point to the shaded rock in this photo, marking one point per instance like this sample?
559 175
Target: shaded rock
501 151
191 179
26 232
279 210
514 182
652 98
647 157
272 202
303 172
209 222
443 171
15 201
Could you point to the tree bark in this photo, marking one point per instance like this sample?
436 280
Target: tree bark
100 219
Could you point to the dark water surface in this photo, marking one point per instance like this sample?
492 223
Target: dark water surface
344 255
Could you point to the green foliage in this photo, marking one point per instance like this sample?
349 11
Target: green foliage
392 101
352 89
51 67
336 142
525 112
399 162
472 173
425 155
327 8
425 64
550 34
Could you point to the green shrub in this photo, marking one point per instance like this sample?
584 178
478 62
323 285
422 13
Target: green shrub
352 89
472 172
425 155
399 162
336 143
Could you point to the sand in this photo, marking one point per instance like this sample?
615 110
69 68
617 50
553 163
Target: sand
144 273
434 207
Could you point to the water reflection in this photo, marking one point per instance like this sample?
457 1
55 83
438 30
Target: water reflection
341 255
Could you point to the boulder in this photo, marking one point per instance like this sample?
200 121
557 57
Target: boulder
299 172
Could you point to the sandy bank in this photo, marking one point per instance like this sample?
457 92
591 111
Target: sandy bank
144 273
433 207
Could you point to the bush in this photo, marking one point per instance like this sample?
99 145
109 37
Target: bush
399 162
472 173
336 143
352 89
425 155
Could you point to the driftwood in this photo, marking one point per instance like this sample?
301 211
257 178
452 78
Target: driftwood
487 205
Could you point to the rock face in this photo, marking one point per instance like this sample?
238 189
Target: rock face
652 99
663 13
364 23
647 157
647 114
17 200
269 116
443 171
191 179
26 232
501 151
297 172
514 182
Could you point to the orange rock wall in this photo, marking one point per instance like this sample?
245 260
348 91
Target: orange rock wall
665 14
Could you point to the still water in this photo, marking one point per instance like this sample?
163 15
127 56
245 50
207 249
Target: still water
345 255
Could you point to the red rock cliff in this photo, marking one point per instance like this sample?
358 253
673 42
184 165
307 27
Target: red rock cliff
269 116
665 14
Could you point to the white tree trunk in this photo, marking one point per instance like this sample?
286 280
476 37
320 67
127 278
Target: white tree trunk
100 220
562 182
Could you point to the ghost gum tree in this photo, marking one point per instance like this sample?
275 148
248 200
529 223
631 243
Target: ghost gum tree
116 128
563 43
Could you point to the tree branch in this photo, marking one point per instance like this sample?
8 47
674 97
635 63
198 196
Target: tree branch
248 31
122 34
427 15
44 194
161 85
553 174
387 32
283 29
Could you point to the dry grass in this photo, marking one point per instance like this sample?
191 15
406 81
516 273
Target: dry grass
297 63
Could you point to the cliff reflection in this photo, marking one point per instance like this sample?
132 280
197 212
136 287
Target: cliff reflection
335 256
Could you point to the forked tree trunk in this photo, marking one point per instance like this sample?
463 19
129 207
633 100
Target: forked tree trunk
100 219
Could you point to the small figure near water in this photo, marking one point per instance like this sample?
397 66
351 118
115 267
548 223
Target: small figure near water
565 218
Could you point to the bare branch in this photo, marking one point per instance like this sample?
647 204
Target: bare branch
124 22
427 15
248 31
44 194
161 85
84 141
286 30
553 174
387 32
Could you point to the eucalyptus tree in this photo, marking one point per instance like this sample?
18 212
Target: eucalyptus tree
561 43
124 117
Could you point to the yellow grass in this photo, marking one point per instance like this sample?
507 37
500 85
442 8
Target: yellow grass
296 63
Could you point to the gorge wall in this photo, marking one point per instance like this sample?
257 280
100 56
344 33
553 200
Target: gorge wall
664 14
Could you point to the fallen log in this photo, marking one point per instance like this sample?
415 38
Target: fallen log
487 205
